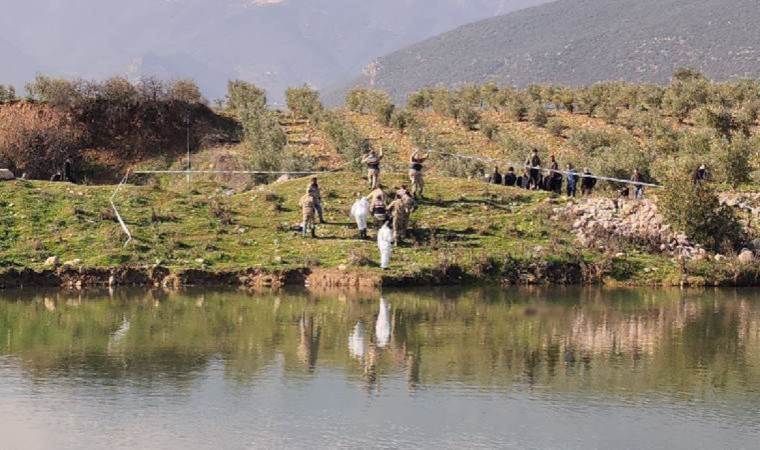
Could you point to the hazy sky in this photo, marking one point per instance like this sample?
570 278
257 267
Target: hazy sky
275 43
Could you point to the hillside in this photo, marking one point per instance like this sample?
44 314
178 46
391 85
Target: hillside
578 42
274 43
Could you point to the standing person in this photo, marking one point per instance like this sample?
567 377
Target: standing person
533 163
385 245
377 205
510 179
587 182
700 175
315 192
572 180
68 171
415 172
372 160
400 218
360 212
555 177
638 188
307 212
496 177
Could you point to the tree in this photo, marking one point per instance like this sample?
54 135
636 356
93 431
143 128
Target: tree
420 100
7 93
304 102
694 209
54 91
537 115
244 96
186 91
732 158
152 89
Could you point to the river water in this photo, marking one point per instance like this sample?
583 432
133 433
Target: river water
525 368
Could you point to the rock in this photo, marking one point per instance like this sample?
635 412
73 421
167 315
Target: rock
6 175
342 267
719 258
283 178
746 256
52 261
200 260
72 263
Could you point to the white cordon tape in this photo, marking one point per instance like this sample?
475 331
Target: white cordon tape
116 211
564 172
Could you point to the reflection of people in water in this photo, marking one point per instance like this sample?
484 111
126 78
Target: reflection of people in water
383 324
357 341
308 346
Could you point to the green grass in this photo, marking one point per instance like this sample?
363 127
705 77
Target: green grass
461 222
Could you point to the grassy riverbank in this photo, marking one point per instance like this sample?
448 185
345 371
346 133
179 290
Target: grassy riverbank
465 230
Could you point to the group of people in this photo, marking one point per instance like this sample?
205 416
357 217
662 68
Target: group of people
391 213
534 177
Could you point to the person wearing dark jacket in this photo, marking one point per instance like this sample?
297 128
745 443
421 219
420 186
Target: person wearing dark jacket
588 182
638 188
495 176
572 180
700 175
510 179
533 163
555 177
68 171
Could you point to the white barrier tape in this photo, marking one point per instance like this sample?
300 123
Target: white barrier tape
563 172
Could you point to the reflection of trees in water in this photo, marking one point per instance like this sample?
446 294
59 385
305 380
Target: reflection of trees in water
556 338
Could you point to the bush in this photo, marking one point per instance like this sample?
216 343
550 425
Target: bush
468 118
304 102
420 100
517 109
402 119
695 210
556 126
537 115
7 93
186 91
489 130
733 160
244 96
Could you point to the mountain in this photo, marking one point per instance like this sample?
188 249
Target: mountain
275 43
578 42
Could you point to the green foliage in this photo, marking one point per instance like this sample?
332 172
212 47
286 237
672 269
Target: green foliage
402 119
244 96
733 159
468 118
7 93
420 100
348 141
186 91
556 126
537 115
489 129
304 102
694 209
688 91
55 91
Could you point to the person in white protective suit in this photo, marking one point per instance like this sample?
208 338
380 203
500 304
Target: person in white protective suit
385 244
383 324
357 341
360 212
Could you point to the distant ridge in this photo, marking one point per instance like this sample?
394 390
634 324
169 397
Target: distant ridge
577 42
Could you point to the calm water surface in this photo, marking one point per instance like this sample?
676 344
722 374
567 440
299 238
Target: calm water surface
566 368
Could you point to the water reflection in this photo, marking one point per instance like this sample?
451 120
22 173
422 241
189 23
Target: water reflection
627 342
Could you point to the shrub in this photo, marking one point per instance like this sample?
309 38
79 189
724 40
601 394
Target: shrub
242 96
489 130
695 210
420 100
733 160
402 119
468 118
537 115
304 102
7 93
556 126
185 91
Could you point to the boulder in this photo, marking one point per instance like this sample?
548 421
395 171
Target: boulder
73 263
746 257
6 175
52 261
